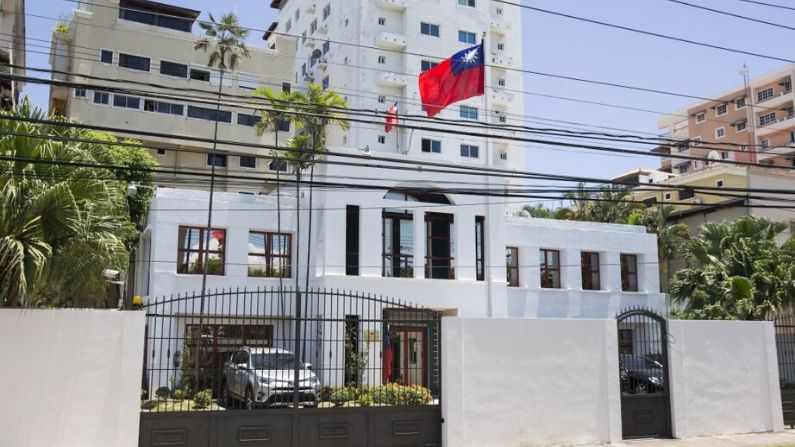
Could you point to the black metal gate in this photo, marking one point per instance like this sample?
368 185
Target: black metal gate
785 347
643 363
290 368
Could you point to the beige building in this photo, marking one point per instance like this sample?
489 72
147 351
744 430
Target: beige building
12 49
151 45
752 122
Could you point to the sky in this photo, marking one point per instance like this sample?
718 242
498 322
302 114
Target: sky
562 46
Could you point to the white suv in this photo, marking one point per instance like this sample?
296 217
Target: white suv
264 376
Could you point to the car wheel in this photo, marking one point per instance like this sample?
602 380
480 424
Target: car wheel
641 388
249 399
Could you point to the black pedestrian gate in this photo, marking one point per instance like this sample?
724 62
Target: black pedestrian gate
290 368
785 348
643 369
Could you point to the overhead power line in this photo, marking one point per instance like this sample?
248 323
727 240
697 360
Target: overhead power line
730 14
772 5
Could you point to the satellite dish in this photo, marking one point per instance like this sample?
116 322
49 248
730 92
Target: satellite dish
316 54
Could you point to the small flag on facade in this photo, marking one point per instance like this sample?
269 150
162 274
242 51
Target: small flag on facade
460 77
391 118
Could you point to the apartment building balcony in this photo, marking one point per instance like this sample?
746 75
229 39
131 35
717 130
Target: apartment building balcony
391 41
395 5
778 100
500 97
500 26
783 122
391 79
774 152
501 60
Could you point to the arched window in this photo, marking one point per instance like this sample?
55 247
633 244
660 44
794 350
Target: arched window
417 196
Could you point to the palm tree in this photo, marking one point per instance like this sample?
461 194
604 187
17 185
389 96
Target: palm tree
224 39
60 225
670 237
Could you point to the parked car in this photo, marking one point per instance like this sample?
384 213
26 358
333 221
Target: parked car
265 376
641 374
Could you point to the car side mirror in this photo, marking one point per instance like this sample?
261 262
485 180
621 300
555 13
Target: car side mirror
308 366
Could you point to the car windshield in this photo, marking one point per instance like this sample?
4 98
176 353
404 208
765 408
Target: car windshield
273 361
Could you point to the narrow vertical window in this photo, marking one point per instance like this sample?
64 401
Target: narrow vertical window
550 268
398 245
512 266
480 249
440 247
629 273
589 261
352 240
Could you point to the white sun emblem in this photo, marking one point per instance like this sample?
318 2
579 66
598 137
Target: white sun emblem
470 56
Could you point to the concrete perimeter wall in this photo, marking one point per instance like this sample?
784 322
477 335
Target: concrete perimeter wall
516 382
70 377
724 377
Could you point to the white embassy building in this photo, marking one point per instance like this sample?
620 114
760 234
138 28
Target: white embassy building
382 227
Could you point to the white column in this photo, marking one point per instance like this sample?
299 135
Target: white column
370 242
419 243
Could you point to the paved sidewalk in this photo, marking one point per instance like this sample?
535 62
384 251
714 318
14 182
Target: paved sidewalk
785 438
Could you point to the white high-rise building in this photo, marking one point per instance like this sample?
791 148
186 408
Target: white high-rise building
372 51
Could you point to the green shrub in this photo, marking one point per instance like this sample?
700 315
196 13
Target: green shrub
395 394
324 395
340 395
144 394
203 399
163 392
365 399
178 394
415 395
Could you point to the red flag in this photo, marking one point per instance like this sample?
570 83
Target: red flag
389 358
218 235
391 118
455 79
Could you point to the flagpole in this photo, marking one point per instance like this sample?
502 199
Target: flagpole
487 181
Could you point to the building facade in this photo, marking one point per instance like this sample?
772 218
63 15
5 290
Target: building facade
12 49
142 45
750 123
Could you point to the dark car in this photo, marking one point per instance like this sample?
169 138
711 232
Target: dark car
641 374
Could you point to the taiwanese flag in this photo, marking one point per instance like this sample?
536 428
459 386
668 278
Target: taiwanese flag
389 358
455 79
391 118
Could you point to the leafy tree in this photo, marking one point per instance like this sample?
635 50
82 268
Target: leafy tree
61 224
609 204
670 237
736 271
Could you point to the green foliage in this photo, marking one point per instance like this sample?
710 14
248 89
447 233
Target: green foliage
365 400
163 392
225 39
736 271
178 394
539 210
203 399
61 224
341 395
61 27
324 395
396 394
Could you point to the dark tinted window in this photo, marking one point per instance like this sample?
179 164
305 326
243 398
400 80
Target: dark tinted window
106 56
199 75
352 240
133 62
128 102
247 161
160 20
218 159
173 69
278 165
247 120
151 105
209 114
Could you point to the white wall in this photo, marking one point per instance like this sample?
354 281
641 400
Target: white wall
724 378
512 382
70 377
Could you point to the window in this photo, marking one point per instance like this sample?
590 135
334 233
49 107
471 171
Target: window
467 37
720 132
247 120
589 263
106 56
501 82
150 105
352 240
764 94
127 102
149 18
219 160
288 26
721 109
283 125
173 69
768 118
629 273
790 111
381 59
500 46
278 165
499 11
326 47
683 168
686 192
480 248
398 245
765 144
440 246
701 117
303 37
787 86
470 3
161 152
209 114
719 184
313 26
696 141
743 147
512 266
427 65
740 126
739 103
429 29
101 97
248 161
468 112
432 146
382 21
134 62
194 253
667 196
550 268
269 255
381 99
625 344
325 83
200 75
326 11
297 14
724 155
469 151
381 139
80 93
